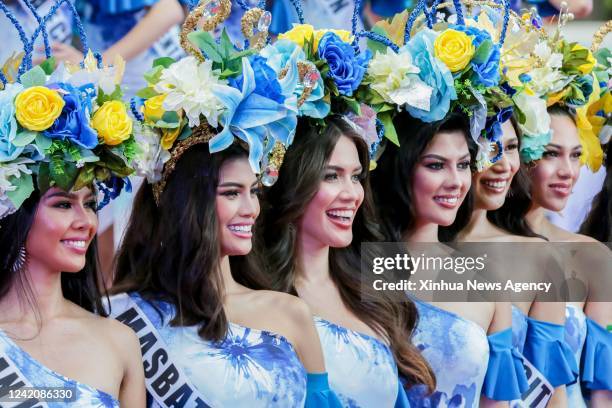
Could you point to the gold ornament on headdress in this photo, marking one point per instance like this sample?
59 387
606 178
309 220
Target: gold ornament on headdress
599 36
200 134
254 25
214 12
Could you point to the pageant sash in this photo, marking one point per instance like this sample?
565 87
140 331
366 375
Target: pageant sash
11 378
59 26
539 391
168 45
166 382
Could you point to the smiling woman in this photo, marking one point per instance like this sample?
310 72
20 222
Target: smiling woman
50 288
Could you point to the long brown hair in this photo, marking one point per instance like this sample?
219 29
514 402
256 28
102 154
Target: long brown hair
171 252
284 204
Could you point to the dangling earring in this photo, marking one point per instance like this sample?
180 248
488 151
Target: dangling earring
510 193
21 260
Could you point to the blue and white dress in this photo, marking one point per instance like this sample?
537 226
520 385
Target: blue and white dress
362 370
465 361
250 367
575 336
19 369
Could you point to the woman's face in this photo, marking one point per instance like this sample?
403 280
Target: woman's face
64 225
442 178
557 171
328 219
237 206
492 185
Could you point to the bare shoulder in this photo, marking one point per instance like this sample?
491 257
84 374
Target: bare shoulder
281 303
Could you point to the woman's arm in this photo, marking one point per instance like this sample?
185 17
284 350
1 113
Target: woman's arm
580 8
159 19
501 320
132 392
307 342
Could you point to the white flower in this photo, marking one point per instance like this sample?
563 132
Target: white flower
150 157
548 80
9 170
189 86
395 78
537 119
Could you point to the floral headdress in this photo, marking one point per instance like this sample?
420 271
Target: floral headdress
429 65
254 93
544 70
64 124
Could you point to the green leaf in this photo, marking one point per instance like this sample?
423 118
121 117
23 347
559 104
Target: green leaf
146 93
153 75
85 177
25 137
352 105
375 45
483 52
43 178
390 132
115 96
164 62
34 77
226 45
49 65
24 188
112 162
205 42
62 172
43 142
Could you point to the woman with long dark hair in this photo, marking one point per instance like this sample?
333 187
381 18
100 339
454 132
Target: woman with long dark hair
551 179
316 217
419 187
598 223
187 284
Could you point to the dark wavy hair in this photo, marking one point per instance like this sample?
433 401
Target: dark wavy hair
598 223
84 288
511 215
286 202
171 252
392 179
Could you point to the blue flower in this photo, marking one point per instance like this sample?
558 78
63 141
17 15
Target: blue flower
485 63
532 147
266 82
493 127
345 68
434 73
254 118
8 123
73 123
285 53
585 85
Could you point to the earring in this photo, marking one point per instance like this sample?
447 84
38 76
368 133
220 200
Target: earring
21 260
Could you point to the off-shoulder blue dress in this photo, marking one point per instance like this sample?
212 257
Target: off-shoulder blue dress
19 369
467 363
252 368
362 370
575 335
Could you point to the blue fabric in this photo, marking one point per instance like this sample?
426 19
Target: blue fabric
546 349
318 393
40 376
121 6
519 328
250 367
575 335
362 370
457 350
505 379
402 398
596 364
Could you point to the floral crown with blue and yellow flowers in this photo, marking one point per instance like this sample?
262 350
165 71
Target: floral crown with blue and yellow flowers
64 124
545 69
254 93
428 65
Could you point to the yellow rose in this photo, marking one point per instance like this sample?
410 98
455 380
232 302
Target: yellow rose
153 109
298 34
37 107
169 136
112 123
454 48
343 34
586 68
